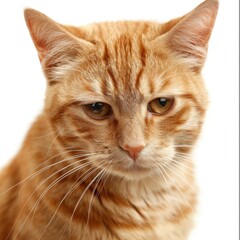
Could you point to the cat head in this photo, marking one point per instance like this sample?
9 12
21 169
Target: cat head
129 94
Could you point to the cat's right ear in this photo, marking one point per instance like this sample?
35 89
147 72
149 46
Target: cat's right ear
57 48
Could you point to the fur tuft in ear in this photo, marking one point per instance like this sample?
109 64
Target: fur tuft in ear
57 48
188 39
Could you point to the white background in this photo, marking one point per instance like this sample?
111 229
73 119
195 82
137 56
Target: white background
22 87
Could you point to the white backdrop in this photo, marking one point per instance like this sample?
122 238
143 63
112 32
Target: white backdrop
22 87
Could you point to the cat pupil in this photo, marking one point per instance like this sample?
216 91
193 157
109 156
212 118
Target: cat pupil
97 107
163 101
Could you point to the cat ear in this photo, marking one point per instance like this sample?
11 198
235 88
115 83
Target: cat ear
188 39
57 48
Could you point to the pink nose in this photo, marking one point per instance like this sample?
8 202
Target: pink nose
133 151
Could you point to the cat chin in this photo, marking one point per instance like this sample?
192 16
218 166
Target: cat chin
134 173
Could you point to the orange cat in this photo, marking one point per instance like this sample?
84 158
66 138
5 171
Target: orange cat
110 155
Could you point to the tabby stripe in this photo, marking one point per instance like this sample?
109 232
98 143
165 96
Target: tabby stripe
106 58
142 53
192 98
137 210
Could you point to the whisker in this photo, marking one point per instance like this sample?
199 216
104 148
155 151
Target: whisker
183 146
182 179
183 167
160 171
173 161
55 138
83 193
46 135
178 189
107 173
71 190
37 189
186 157
44 169
68 226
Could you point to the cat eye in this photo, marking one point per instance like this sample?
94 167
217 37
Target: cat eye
160 106
98 110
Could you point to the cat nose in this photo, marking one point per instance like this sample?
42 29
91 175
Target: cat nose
134 151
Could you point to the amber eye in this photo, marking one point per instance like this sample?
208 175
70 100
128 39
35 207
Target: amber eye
160 105
98 110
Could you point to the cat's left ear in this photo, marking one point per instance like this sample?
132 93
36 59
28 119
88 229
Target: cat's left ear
58 49
188 39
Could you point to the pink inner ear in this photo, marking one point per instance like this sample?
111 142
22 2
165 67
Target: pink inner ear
41 54
39 43
204 35
41 48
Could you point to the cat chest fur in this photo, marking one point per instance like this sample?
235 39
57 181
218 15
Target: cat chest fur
138 212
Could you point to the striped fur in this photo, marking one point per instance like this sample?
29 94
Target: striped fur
74 177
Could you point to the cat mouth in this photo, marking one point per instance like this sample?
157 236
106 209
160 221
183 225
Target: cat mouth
136 167
136 171
133 169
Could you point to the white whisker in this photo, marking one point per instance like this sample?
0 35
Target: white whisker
63 176
178 189
71 190
45 168
83 193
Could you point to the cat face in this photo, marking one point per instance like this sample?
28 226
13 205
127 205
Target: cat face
112 105
129 94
